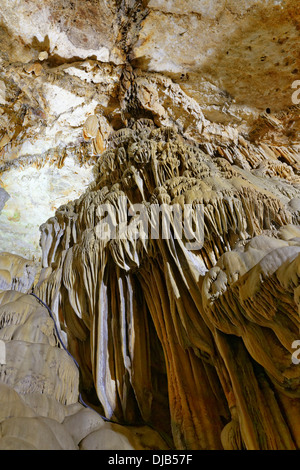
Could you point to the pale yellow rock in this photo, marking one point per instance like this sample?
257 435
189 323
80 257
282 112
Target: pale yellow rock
35 367
45 406
12 404
248 238
15 443
16 272
105 439
43 55
90 127
83 423
182 103
61 434
38 432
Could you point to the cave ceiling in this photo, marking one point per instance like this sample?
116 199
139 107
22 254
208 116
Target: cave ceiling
221 72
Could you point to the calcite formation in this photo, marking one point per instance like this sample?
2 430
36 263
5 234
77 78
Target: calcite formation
221 72
159 329
156 145
41 407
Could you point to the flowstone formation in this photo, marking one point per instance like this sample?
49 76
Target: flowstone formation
156 145
41 407
71 73
193 340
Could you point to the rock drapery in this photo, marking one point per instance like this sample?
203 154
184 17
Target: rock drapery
202 337
40 407
220 71
128 107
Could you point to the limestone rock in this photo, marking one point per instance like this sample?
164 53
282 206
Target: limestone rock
39 389
181 63
241 246
105 440
16 272
4 196
179 328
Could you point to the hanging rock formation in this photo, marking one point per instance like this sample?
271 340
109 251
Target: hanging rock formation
196 341
40 407
156 146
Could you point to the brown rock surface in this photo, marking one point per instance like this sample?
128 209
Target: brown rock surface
191 104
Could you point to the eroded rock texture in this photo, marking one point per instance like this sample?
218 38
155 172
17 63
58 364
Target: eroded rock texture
73 72
40 406
133 105
201 337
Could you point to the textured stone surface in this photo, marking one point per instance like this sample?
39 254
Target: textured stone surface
3 198
36 194
174 102
39 389
16 272
216 322
210 68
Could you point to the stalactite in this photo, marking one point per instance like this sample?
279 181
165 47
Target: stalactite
214 311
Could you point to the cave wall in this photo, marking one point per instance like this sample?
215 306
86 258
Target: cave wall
181 104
